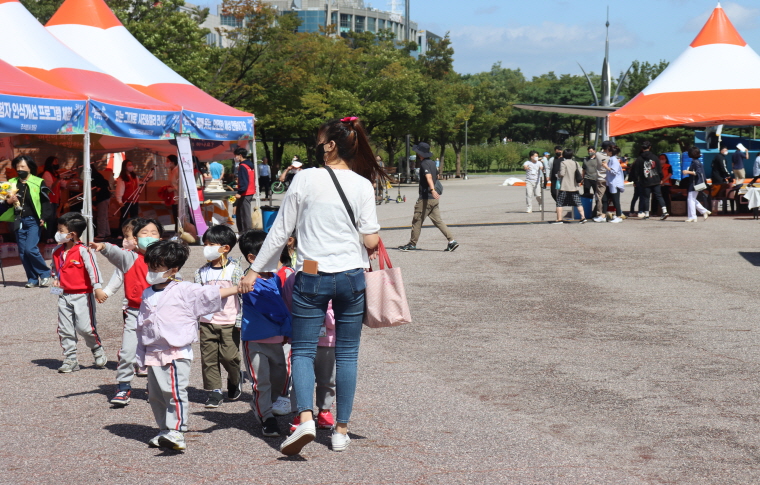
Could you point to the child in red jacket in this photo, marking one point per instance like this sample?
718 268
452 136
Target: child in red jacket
77 277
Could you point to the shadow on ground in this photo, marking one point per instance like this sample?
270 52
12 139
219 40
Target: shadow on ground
752 258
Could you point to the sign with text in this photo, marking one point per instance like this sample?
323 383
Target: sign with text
187 178
111 120
19 114
214 127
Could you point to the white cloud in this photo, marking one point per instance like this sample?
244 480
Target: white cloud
742 17
536 49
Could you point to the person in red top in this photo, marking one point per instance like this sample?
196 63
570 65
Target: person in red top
126 191
130 260
77 277
245 190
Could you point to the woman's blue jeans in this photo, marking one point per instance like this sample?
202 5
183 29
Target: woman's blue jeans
27 238
311 294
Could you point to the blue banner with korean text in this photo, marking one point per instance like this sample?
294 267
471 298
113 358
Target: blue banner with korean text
111 120
23 115
213 127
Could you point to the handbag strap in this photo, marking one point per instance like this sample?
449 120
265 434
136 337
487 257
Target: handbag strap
342 195
383 259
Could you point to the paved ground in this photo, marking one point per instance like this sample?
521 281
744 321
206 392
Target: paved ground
538 354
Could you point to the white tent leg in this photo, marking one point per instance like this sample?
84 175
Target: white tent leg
87 188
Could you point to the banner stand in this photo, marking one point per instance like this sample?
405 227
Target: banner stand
188 195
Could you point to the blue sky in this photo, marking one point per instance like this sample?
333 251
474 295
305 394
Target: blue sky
539 36
552 35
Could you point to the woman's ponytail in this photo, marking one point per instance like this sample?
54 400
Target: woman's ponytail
353 147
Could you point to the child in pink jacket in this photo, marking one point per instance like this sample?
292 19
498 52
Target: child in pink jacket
167 326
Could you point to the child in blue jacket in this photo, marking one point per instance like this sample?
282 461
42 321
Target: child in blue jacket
266 327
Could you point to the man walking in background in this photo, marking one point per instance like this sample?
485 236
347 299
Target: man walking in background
427 204
602 157
737 164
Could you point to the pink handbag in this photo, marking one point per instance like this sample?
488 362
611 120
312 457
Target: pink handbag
386 304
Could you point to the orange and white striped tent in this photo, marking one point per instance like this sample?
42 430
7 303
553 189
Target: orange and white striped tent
691 92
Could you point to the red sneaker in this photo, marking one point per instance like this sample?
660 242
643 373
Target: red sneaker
294 424
325 420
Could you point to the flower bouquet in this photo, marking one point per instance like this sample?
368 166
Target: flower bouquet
8 190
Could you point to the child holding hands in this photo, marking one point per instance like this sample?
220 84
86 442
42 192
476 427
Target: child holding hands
167 326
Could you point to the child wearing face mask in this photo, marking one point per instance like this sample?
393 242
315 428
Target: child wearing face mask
129 259
220 331
167 326
77 277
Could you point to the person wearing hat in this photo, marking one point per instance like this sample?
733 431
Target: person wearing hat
427 204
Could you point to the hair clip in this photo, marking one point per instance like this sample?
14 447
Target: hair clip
349 119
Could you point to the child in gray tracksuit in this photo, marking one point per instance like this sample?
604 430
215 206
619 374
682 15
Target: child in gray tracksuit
129 261
77 277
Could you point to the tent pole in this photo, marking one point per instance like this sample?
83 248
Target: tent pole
255 167
87 186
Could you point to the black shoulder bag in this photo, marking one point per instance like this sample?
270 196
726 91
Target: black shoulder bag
342 195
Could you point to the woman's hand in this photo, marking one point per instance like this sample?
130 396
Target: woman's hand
12 200
247 282
372 253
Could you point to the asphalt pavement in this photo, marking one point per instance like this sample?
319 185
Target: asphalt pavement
558 354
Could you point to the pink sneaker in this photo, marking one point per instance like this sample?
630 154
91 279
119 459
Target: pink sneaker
325 420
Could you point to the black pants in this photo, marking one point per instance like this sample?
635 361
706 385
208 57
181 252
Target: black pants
589 188
636 194
265 186
552 190
666 195
646 195
243 214
128 211
615 202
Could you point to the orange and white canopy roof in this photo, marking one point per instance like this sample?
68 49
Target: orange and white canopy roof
91 29
690 93
27 45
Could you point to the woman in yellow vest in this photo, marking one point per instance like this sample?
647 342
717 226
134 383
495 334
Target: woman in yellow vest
28 210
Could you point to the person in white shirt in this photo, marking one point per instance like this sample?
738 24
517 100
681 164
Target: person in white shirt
533 168
336 237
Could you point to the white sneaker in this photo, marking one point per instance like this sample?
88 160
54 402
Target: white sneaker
640 215
100 357
302 436
339 441
174 440
529 210
706 214
153 442
281 406
600 219
691 220
616 220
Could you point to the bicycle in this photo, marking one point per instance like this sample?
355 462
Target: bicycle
280 187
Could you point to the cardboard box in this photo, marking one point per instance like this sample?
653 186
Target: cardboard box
678 208
8 250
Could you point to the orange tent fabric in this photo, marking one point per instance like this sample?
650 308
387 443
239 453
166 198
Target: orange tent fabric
686 94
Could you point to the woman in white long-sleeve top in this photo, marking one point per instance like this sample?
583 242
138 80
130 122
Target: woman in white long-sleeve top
332 210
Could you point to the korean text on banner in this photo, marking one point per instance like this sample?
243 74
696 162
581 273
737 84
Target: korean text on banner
216 127
188 179
20 114
107 119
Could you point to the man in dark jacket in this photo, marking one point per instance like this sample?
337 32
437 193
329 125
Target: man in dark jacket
246 187
720 173
649 176
554 164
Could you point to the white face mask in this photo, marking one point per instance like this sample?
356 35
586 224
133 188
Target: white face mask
128 244
155 278
211 253
61 237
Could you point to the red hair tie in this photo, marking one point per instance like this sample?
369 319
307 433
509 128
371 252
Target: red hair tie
349 119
